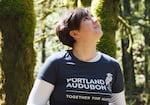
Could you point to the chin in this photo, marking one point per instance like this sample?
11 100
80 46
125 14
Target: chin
100 34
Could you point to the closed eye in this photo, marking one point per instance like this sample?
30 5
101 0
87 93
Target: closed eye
87 18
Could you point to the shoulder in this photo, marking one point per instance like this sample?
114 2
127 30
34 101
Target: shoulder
107 58
54 59
49 69
56 56
112 62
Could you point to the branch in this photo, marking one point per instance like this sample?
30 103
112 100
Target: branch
40 39
129 35
124 22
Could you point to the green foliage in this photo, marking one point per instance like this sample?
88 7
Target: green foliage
50 11
138 20
45 29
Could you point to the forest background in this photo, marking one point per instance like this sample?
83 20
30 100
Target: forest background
27 33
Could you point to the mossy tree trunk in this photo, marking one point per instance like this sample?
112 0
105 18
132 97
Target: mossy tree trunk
84 3
107 12
127 57
71 3
17 24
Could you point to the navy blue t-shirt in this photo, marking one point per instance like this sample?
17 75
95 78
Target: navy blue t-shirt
81 83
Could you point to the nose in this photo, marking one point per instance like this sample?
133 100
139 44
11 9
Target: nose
95 20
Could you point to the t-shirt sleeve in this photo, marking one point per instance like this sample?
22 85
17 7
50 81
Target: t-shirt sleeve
48 71
118 84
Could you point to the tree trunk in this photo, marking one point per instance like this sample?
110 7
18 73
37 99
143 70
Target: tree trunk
127 57
84 3
43 51
107 12
128 67
146 34
17 24
71 3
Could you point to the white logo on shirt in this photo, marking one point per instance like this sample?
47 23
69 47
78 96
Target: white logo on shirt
108 80
90 84
93 88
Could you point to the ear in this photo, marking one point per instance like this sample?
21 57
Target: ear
74 34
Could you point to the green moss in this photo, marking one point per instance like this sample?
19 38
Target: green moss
106 12
17 24
71 3
26 25
84 3
14 8
23 12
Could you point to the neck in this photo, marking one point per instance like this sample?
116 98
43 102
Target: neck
84 53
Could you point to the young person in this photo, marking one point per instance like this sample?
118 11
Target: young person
82 75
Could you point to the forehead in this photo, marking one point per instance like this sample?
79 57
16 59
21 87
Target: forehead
74 18
79 13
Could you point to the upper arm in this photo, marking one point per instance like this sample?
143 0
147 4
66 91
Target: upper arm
40 92
118 96
118 99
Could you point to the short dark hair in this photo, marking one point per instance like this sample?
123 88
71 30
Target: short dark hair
70 22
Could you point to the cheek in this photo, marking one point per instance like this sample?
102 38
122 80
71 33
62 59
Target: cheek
85 28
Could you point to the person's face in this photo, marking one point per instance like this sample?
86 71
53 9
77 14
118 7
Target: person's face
90 28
